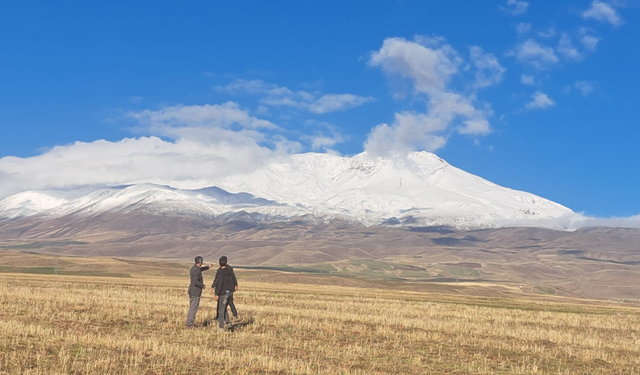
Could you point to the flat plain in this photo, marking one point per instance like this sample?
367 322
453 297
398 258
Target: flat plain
133 322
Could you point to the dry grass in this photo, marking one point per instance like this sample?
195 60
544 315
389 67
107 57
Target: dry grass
72 324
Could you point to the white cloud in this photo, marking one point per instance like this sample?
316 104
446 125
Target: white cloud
515 7
540 100
527 80
282 96
574 221
548 33
475 127
566 48
429 68
535 54
603 12
585 87
523 28
409 131
180 163
136 99
325 143
324 137
263 110
202 143
489 71
617 222
256 86
429 64
204 116
589 41
335 102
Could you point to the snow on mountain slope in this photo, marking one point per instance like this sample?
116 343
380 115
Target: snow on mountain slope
156 199
421 189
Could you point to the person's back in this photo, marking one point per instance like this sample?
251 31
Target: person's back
225 280
224 285
195 275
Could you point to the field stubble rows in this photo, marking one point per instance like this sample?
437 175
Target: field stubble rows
74 324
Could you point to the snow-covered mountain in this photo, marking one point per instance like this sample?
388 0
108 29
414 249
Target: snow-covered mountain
421 189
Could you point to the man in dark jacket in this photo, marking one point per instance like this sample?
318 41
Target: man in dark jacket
195 289
224 284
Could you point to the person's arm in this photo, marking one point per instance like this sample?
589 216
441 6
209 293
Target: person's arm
235 281
215 281
195 279
218 289
204 268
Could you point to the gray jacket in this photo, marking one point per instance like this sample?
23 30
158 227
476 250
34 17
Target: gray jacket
196 286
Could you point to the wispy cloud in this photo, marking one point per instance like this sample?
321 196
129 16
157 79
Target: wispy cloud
576 221
535 54
281 96
523 28
515 7
540 100
488 69
325 137
603 12
585 87
589 41
566 49
548 33
200 116
527 80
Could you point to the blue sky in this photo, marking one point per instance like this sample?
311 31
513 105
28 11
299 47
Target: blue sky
534 95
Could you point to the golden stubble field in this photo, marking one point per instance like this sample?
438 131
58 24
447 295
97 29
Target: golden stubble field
96 325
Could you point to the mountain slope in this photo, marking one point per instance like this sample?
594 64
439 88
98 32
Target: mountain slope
421 189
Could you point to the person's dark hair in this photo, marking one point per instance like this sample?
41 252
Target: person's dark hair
223 261
199 259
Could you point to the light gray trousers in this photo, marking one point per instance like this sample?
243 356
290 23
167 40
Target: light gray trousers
193 310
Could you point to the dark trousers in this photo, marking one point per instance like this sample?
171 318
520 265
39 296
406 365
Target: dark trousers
194 303
224 301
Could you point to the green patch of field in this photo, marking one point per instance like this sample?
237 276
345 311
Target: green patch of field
546 290
460 271
316 268
376 265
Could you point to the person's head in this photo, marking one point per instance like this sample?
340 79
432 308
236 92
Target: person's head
223 261
199 260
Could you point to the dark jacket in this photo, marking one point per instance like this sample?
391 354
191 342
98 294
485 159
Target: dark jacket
196 286
225 280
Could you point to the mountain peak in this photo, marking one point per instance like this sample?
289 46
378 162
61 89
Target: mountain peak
418 189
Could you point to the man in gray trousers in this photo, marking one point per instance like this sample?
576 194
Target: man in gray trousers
195 289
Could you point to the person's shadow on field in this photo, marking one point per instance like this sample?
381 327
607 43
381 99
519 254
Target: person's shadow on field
232 326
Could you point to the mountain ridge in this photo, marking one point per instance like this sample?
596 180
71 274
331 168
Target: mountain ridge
421 189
